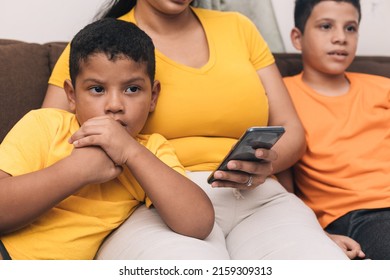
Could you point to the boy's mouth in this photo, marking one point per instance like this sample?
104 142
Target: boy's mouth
121 122
338 53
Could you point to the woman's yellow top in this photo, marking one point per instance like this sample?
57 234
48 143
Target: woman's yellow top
203 111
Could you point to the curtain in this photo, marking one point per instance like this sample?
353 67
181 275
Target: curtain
261 12
210 4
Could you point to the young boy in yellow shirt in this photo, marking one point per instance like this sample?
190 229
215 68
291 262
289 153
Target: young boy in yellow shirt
344 174
68 180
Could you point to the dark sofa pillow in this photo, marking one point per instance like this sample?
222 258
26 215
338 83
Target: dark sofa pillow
375 65
290 64
55 50
24 72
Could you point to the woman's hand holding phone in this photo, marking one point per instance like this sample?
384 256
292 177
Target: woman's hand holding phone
249 162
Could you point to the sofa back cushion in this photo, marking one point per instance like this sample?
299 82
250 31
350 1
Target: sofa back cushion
24 72
290 64
25 69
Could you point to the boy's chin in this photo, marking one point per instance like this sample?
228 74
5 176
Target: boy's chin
336 73
334 70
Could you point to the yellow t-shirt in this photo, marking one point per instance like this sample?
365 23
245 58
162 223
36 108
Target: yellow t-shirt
75 228
346 166
203 111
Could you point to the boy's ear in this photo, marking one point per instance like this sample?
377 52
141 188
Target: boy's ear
70 94
156 87
296 38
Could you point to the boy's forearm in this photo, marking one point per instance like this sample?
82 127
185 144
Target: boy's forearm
181 203
183 206
24 198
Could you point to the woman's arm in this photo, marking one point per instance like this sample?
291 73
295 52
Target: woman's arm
292 145
286 151
286 179
55 94
55 98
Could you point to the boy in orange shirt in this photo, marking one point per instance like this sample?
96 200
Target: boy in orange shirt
344 175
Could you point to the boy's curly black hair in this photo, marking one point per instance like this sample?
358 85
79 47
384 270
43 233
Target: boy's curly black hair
117 39
303 9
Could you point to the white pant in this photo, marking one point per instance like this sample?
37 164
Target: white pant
267 223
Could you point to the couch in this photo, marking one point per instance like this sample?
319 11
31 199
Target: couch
26 67
24 72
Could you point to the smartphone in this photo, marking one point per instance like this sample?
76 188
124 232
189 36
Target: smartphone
253 138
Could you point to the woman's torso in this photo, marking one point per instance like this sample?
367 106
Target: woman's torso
204 110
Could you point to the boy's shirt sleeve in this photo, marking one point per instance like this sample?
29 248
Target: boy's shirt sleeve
163 149
25 147
29 146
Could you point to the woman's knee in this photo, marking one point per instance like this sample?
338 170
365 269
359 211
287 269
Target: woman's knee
145 236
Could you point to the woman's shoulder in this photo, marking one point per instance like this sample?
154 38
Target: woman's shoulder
129 16
221 15
226 20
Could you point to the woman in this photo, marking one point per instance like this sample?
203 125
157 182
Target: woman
218 78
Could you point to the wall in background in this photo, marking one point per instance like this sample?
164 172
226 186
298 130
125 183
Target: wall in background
43 21
374 32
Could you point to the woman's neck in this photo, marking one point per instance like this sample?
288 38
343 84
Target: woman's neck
178 35
155 22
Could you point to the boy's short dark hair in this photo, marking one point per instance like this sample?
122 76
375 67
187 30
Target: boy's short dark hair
303 9
115 38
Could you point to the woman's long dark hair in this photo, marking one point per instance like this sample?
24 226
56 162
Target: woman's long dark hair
117 8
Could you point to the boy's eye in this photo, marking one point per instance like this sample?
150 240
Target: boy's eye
351 28
132 89
97 90
326 26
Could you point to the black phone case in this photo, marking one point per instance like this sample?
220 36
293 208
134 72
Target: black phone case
253 138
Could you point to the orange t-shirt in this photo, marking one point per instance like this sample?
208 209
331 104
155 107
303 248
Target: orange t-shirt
347 164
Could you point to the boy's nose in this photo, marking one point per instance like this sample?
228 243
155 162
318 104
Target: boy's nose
114 104
339 36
